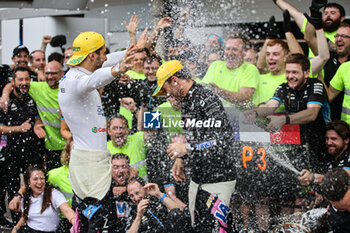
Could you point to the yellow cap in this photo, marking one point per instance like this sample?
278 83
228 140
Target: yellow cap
83 44
165 71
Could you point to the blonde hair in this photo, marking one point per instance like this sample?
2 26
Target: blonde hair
65 155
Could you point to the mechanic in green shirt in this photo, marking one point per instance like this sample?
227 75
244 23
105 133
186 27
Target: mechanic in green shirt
133 146
233 79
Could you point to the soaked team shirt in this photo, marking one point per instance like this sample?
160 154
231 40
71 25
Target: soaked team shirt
312 133
123 206
20 110
342 161
153 219
313 92
135 75
81 105
209 133
135 148
246 75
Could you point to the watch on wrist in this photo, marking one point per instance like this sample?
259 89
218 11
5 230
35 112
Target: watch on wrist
287 120
18 195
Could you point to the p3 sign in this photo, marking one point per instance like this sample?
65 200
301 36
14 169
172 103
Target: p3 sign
247 156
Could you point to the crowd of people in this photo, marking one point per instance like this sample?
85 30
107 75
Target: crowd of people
138 142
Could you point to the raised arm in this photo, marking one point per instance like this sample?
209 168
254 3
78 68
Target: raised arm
314 23
323 52
153 189
46 39
107 74
164 23
132 27
296 15
293 45
322 46
261 63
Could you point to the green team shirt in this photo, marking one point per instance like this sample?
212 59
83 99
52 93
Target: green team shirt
246 75
328 35
341 82
170 118
46 100
135 148
59 178
135 75
267 87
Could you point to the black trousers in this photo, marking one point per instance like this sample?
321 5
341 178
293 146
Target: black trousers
103 220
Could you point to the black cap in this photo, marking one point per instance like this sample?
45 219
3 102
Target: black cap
18 49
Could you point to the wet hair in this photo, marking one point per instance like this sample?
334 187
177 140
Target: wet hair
298 58
338 6
151 58
335 184
32 53
26 197
340 127
137 179
283 44
66 152
118 116
121 156
238 35
56 57
20 68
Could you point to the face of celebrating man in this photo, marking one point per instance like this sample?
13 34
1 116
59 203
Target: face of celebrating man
150 70
331 19
118 131
22 82
136 192
53 74
173 89
234 53
342 41
21 59
335 144
137 62
296 78
38 60
275 56
120 171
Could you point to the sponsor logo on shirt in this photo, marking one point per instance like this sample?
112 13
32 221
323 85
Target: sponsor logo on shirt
98 130
100 111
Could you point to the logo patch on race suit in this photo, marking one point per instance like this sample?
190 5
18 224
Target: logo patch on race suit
123 209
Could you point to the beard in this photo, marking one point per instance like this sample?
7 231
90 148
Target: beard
19 92
331 27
